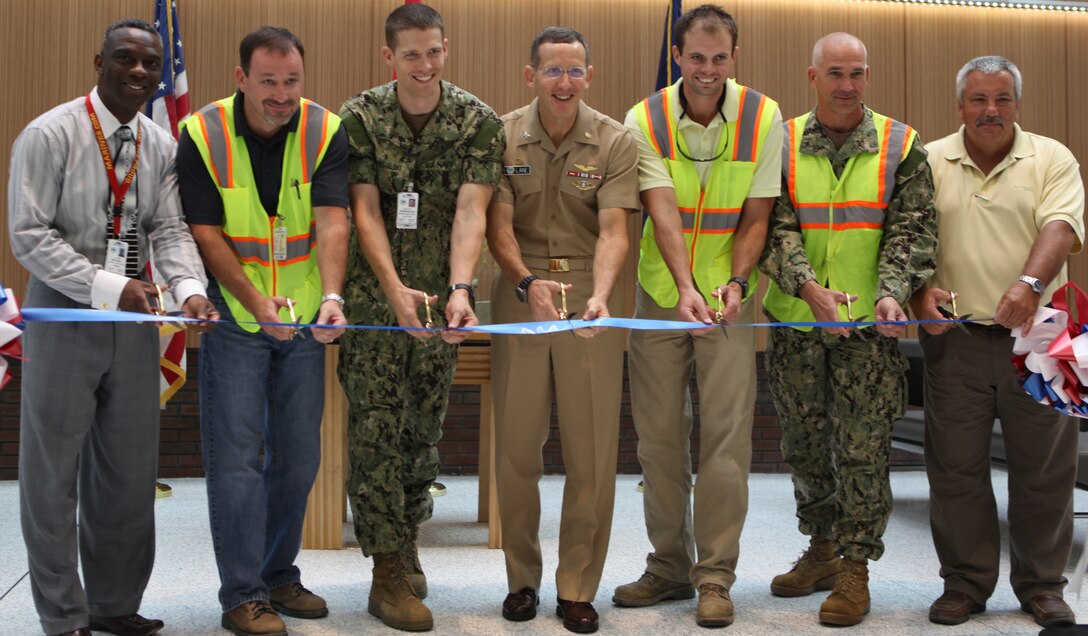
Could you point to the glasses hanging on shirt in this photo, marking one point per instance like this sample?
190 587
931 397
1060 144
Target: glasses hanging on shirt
725 128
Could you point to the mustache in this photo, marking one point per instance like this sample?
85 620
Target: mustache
984 121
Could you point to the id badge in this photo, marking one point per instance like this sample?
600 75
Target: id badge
279 241
407 210
116 256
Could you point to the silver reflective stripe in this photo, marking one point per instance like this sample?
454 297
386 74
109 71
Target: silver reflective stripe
894 152
212 115
687 219
248 250
748 125
720 221
259 250
847 215
659 124
315 134
787 146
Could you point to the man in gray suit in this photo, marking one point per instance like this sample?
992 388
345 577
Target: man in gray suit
92 190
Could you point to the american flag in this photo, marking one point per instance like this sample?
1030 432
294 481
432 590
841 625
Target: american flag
171 101
167 107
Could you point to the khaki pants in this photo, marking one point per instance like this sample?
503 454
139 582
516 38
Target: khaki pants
700 545
587 378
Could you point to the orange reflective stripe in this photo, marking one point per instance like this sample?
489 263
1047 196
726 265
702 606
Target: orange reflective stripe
884 136
658 120
204 133
303 116
789 161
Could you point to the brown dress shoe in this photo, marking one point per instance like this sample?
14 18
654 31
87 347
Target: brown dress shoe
521 605
953 608
82 631
578 616
1049 610
131 625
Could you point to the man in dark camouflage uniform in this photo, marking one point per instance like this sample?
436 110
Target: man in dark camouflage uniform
855 218
425 157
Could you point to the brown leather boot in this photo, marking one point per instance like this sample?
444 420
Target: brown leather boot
816 569
415 571
849 602
392 598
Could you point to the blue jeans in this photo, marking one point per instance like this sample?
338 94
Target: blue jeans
254 388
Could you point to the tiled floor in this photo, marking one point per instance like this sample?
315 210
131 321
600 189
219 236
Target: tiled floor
467 581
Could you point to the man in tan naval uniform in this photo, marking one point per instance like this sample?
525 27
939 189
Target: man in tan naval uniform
559 221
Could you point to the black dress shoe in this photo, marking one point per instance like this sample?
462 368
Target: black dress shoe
953 608
82 631
131 625
520 606
1050 610
578 616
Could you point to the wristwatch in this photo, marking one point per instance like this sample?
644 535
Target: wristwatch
522 290
743 282
1035 284
465 286
331 296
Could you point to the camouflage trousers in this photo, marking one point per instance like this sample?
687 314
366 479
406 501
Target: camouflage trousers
397 389
837 399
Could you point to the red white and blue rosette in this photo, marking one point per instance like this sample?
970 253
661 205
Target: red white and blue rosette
1052 360
11 329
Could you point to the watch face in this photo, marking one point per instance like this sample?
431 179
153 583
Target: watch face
522 294
1037 286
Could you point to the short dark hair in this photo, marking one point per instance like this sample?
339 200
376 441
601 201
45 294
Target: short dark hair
127 23
555 35
411 16
714 18
277 39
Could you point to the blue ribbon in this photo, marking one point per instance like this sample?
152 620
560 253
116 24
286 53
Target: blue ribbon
43 314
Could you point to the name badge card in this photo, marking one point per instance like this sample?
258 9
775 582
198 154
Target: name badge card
407 210
279 240
116 256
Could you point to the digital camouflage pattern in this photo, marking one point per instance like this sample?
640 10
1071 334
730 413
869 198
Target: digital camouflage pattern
908 249
398 386
837 399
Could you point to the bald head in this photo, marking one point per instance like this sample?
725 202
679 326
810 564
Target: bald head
836 45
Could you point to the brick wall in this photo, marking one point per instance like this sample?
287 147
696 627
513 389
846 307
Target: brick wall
179 446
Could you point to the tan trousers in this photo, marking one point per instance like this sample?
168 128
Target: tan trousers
700 545
969 381
587 378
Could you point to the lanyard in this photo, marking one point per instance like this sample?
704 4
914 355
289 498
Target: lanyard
119 189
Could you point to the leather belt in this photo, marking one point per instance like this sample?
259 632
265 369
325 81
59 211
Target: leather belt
560 264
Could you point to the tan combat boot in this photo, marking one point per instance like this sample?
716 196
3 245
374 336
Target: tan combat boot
849 602
715 608
415 571
392 598
815 570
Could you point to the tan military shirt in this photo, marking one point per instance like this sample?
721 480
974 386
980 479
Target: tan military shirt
556 192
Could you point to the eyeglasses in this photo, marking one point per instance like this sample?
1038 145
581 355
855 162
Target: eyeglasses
555 72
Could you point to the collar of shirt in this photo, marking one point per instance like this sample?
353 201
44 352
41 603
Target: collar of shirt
581 132
1021 148
862 139
730 108
107 119
241 126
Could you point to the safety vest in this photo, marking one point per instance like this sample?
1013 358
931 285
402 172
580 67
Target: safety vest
248 229
709 217
841 218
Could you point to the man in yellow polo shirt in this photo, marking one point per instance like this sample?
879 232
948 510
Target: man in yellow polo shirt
1011 207
855 223
709 161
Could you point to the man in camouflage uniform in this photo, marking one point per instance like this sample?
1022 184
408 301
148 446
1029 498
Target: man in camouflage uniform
855 223
425 157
